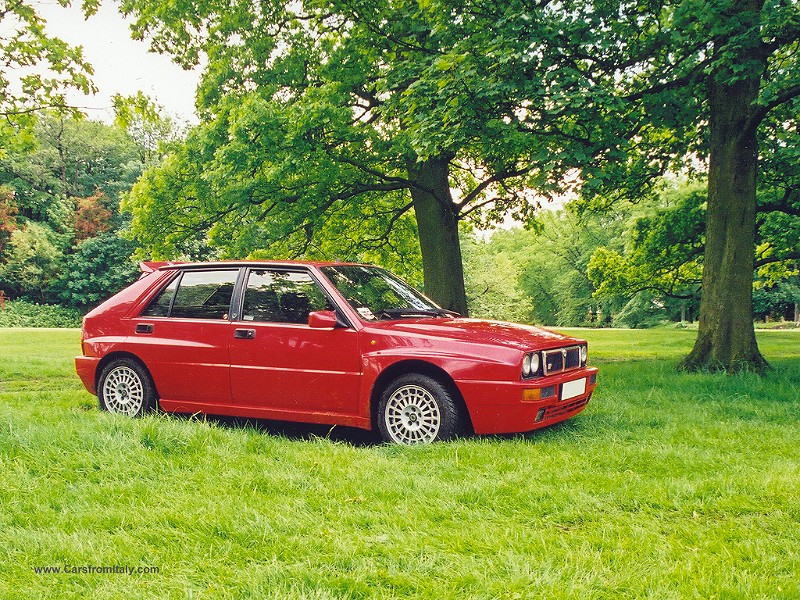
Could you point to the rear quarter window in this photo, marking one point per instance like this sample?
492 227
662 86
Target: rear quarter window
195 295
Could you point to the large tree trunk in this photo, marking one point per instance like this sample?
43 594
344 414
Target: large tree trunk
437 222
726 337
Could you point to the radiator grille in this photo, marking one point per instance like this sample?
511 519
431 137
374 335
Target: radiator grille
561 359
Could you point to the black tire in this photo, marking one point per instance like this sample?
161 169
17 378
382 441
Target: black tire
417 409
125 388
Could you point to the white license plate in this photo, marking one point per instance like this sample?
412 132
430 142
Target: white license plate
570 389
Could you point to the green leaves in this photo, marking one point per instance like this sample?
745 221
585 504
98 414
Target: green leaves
37 69
663 252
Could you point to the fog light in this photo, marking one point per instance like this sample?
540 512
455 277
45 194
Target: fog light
592 378
539 415
548 392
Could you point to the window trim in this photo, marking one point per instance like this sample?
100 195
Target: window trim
179 280
242 290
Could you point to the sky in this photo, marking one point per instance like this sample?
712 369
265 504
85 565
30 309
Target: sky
121 65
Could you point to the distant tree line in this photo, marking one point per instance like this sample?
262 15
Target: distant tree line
62 183
635 265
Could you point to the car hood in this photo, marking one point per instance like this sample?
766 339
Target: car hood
478 331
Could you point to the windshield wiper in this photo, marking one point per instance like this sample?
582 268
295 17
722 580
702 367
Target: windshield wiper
394 313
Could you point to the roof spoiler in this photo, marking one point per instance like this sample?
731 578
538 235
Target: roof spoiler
148 267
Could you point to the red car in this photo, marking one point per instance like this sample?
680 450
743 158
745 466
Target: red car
331 343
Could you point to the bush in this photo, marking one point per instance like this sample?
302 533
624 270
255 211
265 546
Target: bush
20 313
99 268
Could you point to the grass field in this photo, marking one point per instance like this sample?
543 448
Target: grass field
667 486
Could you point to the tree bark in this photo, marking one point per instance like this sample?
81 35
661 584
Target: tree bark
437 223
726 336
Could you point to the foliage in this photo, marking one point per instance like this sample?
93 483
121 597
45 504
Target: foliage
663 252
32 262
492 268
99 268
66 186
350 113
604 506
778 247
146 124
25 44
778 302
70 159
8 214
193 208
348 103
540 275
642 311
91 217
21 313
557 265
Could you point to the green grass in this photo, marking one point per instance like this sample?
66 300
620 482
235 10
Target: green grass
667 486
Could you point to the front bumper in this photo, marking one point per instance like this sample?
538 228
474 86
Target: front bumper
501 407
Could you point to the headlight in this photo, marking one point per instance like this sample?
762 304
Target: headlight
526 366
535 363
584 354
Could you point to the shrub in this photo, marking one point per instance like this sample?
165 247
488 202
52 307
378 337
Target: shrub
100 267
20 313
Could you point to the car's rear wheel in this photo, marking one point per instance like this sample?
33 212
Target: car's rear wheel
417 409
125 388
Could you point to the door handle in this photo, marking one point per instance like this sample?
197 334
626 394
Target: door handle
144 328
244 334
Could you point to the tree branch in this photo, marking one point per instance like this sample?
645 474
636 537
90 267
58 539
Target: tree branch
762 111
493 179
690 78
783 205
774 259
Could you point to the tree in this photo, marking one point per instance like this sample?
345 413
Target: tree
8 213
69 158
100 267
32 261
91 217
334 117
145 122
663 251
464 104
63 190
679 79
492 268
37 69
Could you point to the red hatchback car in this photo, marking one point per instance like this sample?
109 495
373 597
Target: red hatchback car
330 343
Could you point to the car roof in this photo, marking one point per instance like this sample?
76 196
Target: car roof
150 266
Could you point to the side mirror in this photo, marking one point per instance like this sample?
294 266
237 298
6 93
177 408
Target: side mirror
322 319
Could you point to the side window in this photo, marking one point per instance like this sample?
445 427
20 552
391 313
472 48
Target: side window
195 295
204 295
159 306
282 297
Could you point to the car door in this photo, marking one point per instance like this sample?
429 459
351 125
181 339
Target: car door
183 337
281 365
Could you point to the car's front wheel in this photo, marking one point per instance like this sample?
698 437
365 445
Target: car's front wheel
417 409
125 388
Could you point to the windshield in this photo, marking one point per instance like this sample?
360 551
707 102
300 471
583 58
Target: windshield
377 294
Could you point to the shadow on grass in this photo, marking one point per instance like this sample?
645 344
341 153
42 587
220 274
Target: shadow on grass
359 437
288 429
